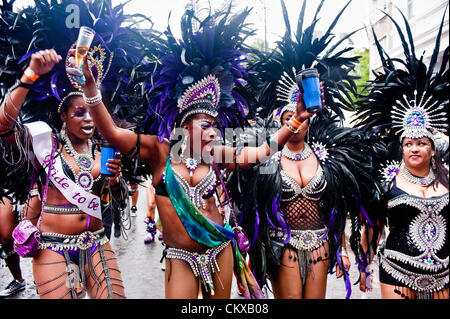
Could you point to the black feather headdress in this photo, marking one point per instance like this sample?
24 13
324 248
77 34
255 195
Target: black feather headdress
125 53
304 50
207 63
407 97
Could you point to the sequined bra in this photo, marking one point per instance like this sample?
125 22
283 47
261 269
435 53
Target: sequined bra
312 191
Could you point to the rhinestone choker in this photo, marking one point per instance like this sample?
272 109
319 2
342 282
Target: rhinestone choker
297 156
422 181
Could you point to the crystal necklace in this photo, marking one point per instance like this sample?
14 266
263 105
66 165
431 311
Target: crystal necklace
84 161
422 181
297 156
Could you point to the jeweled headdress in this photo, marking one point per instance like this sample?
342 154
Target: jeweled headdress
411 101
205 92
415 120
288 90
277 70
203 72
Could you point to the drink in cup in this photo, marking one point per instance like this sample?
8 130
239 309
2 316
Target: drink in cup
309 84
108 152
84 41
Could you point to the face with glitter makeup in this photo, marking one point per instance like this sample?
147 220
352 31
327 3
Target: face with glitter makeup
417 152
202 129
79 123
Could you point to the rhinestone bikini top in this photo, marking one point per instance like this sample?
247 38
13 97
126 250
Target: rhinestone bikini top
312 191
202 190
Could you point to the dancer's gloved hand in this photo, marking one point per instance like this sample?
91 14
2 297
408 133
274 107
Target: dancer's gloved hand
43 61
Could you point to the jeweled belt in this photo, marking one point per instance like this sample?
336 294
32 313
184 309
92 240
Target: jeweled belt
82 241
307 240
423 283
203 265
62 209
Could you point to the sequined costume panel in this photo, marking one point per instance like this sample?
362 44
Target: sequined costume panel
415 254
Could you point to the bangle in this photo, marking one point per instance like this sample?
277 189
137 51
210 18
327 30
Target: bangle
290 128
344 252
30 74
295 121
93 101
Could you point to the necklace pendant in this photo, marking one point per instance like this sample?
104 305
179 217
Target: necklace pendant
85 180
191 165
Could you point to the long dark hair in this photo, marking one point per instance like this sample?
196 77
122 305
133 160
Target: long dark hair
440 171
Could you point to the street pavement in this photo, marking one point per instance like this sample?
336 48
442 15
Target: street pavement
143 276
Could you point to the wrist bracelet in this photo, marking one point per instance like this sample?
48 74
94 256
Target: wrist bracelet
30 74
21 84
344 252
295 121
93 101
290 128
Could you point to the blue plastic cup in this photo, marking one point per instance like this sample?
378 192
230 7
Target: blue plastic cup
108 152
309 84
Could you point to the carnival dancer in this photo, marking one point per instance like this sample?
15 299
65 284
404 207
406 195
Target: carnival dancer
196 89
404 113
74 256
294 207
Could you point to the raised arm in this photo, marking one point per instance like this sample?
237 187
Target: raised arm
124 139
41 62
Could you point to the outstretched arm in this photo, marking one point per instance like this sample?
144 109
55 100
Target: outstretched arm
250 156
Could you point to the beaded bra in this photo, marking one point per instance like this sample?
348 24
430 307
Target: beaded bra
312 191
200 191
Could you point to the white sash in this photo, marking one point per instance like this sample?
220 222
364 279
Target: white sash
42 146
